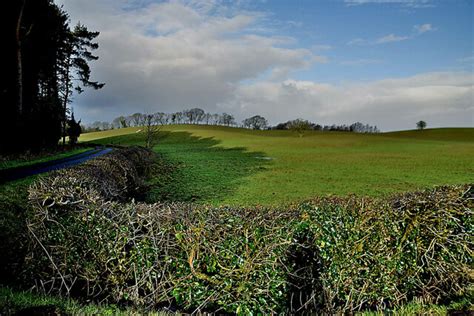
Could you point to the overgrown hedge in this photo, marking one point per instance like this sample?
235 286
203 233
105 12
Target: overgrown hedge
118 175
383 253
327 255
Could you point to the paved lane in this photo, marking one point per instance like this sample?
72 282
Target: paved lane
26 171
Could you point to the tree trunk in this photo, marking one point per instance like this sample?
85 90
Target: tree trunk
19 61
66 99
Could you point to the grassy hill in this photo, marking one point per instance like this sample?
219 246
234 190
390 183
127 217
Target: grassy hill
445 134
238 166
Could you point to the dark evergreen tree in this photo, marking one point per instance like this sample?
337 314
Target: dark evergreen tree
74 130
37 40
74 67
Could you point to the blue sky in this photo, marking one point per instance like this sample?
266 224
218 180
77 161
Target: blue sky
332 25
388 63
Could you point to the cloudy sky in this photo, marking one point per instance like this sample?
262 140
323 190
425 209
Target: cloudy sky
388 63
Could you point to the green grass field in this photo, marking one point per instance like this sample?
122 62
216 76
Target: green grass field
222 165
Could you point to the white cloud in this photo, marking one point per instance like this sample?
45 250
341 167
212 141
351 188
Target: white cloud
319 48
295 23
172 55
361 62
442 99
416 4
391 38
358 42
423 28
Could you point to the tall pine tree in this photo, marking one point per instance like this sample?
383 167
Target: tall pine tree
75 71
42 58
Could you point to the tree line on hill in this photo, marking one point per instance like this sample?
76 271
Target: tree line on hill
356 127
191 116
44 61
201 117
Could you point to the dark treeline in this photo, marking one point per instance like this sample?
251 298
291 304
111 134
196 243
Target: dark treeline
199 116
191 116
354 127
44 60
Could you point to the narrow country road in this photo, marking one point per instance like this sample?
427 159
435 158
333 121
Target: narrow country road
26 171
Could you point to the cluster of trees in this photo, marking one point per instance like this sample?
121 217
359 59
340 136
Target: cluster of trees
191 116
199 116
44 61
301 125
255 122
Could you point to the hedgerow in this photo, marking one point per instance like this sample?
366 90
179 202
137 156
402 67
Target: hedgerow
329 254
382 253
164 254
118 175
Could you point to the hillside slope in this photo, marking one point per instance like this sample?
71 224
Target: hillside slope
218 165
445 134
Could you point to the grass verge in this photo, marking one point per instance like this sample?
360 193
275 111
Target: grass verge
13 213
28 303
24 302
31 159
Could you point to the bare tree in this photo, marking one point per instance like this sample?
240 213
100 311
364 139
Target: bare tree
161 118
227 119
106 126
200 115
178 117
120 122
194 115
357 127
115 123
207 118
215 118
136 118
96 126
151 130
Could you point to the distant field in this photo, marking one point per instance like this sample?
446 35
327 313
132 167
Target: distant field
222 165
447 134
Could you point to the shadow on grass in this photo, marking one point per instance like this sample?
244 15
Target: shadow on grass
195 169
